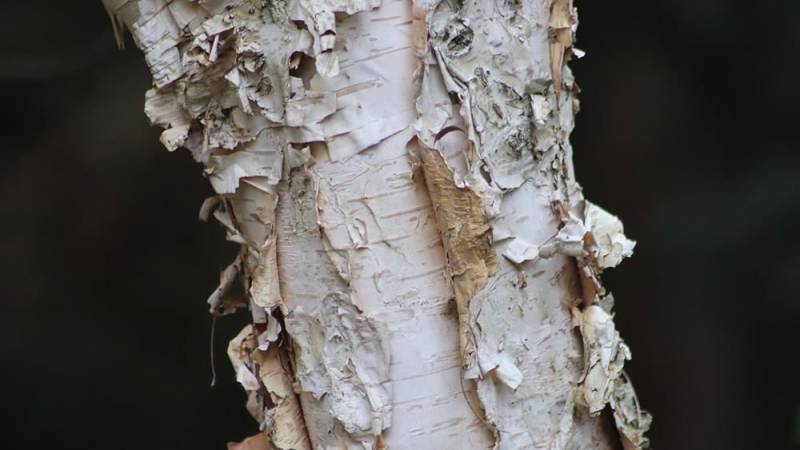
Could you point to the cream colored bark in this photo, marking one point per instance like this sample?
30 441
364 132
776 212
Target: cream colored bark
420 265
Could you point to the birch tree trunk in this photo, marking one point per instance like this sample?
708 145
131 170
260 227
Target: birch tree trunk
420 265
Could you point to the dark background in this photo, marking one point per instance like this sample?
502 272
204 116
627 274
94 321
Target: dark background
687 131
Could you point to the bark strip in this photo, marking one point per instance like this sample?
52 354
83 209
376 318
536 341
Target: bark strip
465 235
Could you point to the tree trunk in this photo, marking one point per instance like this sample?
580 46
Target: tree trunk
419 262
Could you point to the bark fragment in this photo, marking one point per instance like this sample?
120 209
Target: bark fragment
263 374
609 245
256 442
562 22
465 232
318 15
341 357
604 382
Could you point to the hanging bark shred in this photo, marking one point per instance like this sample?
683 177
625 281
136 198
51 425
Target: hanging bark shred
303 113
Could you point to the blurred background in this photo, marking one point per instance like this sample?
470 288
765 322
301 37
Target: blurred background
686 132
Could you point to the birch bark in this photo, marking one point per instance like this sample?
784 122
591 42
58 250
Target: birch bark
420 265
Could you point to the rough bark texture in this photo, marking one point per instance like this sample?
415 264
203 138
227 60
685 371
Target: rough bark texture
420 265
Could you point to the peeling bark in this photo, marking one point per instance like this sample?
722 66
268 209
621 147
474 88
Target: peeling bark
257 442
465 232
341 361
271 400
377 162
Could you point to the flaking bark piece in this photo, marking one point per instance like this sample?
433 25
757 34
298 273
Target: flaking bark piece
465 232
604 382
319 17
216 301
265 373
341 361
632 422
597 238
256 442
562 21
609 243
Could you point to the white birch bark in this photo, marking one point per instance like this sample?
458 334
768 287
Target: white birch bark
420 265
